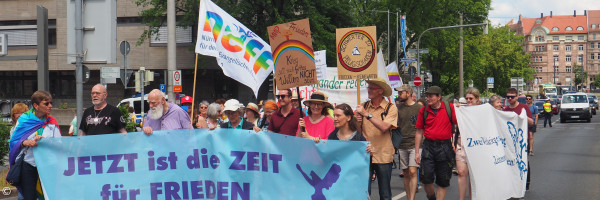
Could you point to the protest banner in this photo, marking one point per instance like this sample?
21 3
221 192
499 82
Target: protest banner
355 48
291 44
321 64
495 143
241 54
201 164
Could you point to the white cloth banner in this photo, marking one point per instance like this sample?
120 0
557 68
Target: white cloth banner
338 91
394 78
495 143
241 54
321 64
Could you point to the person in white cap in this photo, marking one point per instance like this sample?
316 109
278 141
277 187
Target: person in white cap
233 112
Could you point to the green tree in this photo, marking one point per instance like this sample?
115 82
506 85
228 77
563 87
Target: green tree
577 70
129 123
597 81
325 16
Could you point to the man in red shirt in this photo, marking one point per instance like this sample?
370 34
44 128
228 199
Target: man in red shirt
515 106
285 120
438 153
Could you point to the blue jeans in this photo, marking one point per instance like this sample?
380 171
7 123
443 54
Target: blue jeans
384 176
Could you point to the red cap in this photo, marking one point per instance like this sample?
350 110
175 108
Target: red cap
186 99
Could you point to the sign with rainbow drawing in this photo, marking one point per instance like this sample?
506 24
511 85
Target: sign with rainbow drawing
293 55
356 55
241 54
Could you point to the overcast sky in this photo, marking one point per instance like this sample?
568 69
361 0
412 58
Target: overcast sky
505 10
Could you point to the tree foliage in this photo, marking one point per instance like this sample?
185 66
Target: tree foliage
597 81
577 70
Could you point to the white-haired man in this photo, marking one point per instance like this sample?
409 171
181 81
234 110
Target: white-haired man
164 115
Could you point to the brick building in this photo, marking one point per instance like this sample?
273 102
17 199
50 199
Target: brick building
18 79
559 43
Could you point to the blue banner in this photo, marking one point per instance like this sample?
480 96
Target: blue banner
201 164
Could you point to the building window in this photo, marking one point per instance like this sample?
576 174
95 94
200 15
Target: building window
580 58
568 69
555 47
568 48
568 28
555 38
591 56
539 38
183 36
593 25
594 36
581 47
555 29
569 38
591 45
579 28
568 58
556 68
580 37
555 58
540 48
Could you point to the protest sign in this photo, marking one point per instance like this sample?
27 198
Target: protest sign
394 78
356 53
201 164
321 63
495 143
241 54
291 44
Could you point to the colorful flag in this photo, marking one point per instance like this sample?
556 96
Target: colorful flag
240 53
393 75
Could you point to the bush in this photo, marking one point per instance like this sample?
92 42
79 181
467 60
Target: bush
129 124
4 136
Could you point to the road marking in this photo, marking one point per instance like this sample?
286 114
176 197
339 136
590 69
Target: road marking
403 194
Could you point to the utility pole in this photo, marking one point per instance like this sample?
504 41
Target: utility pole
42 49
171 47
79 59
461 84
389 36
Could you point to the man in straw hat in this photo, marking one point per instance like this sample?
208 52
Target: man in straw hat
377 117
438 155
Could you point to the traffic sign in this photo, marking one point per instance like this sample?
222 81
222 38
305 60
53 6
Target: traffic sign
163 88
414 51
177 78
408 60
417 81
490 80
110 72
124 47
177 88
490 85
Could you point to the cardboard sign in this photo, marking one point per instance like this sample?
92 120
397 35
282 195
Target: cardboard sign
356 55
293 55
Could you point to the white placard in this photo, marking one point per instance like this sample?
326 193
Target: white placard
320 62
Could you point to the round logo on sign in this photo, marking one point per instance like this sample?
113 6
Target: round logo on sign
356 50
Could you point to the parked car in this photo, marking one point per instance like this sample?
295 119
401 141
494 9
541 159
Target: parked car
575 106
553 102
593 104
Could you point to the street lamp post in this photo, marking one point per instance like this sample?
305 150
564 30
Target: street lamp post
554 69
485 24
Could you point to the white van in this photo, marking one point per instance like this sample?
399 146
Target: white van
136 104
575 106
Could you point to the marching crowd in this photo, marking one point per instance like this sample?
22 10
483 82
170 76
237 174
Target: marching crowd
429 148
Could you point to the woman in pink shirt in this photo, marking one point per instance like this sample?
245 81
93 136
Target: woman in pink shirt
316 125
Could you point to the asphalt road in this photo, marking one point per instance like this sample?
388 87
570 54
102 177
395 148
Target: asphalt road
566 164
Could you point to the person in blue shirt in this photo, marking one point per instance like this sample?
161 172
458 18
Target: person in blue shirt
534 111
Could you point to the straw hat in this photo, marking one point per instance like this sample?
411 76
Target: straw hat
295 96
318 97
253 107
387 90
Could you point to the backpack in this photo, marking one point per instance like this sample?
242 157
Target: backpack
449 112
396 134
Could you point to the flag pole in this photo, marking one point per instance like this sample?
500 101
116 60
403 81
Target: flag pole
357 91
194 92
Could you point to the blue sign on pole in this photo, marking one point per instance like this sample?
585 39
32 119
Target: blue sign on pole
163 88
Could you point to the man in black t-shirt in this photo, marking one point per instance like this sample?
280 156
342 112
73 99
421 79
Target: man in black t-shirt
101 118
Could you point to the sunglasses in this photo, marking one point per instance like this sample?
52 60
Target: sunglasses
203 107
529 99
469 98
281 96
47 103
510 97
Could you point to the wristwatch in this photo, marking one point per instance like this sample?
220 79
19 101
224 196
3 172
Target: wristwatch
369 116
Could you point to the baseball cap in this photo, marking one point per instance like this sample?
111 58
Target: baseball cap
186 99
434 90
